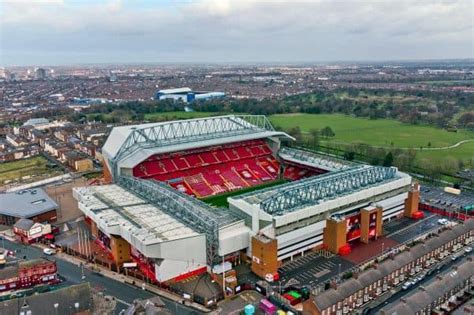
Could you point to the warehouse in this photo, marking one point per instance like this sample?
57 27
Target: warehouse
33 204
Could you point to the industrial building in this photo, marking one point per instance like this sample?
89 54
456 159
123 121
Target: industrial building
33 204
186 95
154 210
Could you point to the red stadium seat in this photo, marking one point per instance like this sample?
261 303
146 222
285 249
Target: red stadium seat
220 156
214 170
193 160
181 163
208 158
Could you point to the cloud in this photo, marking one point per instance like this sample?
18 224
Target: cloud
238 30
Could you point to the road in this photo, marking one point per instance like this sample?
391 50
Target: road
124 293
396 296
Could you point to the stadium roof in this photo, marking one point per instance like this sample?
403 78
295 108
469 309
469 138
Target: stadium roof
313 159
115 207
317 190
26 203
177 90
127 146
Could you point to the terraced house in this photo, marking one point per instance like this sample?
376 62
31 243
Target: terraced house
368 285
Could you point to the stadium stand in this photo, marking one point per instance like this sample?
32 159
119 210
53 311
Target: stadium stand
214 170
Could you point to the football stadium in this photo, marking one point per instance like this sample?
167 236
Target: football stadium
154 212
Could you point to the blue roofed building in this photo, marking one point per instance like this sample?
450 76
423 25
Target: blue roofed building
186 95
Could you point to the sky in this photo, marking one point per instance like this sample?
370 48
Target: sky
62 32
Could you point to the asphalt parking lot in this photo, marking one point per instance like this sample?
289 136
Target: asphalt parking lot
311 270
404 229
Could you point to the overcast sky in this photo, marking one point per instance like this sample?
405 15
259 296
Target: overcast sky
53 32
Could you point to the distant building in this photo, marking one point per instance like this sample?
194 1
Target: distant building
186 95
40 74
33 204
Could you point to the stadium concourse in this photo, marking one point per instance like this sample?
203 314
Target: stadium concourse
152 211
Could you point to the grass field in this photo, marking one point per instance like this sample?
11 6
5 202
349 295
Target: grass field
33 167
221 200
464 152
382 132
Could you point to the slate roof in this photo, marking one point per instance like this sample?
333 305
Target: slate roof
26 203
424 296
24 224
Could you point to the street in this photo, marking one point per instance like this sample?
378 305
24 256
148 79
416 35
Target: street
124 293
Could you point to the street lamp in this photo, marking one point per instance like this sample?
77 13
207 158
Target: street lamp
339 272
383 247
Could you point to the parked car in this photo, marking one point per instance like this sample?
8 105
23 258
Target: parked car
48 251
443 221
407 285
468 249
454 257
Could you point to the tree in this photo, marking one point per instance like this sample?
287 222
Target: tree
349 155
315 134
388 161
296 133
327 132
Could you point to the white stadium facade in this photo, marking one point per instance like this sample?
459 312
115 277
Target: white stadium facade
154 211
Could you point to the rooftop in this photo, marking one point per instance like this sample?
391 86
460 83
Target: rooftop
424 296
36 121
112 205
71 297
313 159
26 203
